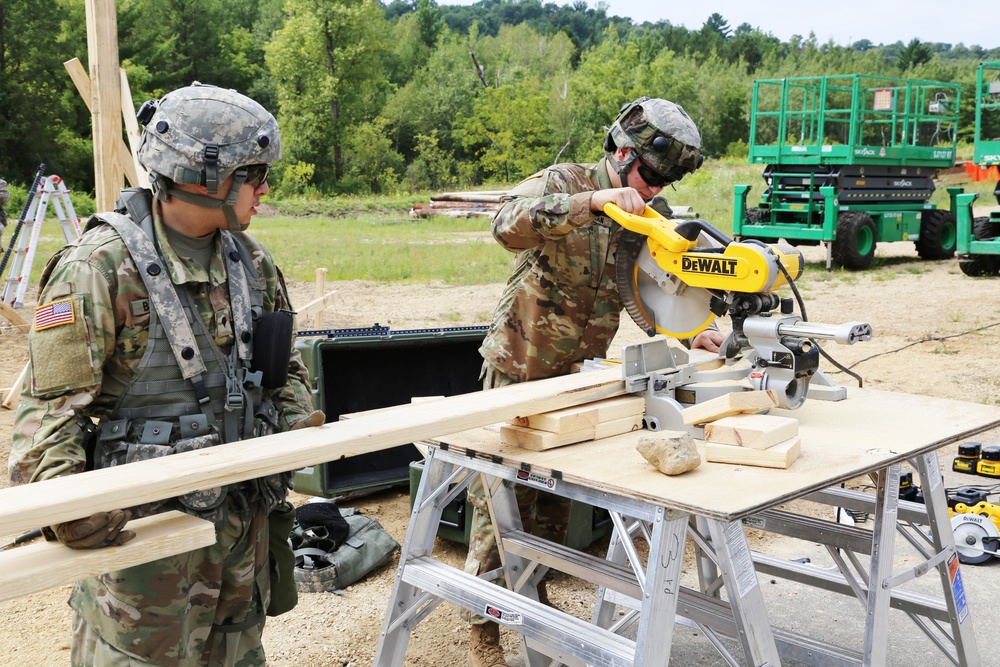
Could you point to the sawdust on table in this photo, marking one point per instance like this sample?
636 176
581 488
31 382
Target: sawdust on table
935 334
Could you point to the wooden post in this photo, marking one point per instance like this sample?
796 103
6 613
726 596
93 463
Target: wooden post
320 291
105 107
13 396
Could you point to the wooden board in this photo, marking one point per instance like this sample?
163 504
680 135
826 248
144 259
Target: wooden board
62 499
840 440
584 416
779 456
42 565
732 403
538 440
753 431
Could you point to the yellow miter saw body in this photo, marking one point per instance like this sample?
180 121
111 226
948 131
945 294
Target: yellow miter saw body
672 275
676 277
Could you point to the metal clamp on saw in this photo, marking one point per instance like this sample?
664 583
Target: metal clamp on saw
676 277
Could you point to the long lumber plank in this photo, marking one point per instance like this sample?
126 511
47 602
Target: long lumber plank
62 499
43 565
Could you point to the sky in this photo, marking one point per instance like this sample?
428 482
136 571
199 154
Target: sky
843 21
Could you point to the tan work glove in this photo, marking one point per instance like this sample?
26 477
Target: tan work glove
314 418
101 529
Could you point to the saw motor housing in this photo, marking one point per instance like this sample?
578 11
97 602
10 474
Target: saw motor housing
676 277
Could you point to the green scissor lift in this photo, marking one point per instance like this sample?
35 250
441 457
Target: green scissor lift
979 238
850 162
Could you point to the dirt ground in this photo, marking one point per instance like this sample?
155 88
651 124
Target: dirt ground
937 332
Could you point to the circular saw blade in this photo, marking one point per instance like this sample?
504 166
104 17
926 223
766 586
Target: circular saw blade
658 301
971 537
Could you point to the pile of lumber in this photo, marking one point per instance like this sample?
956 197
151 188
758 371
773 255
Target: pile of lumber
591 421
460 204
734 433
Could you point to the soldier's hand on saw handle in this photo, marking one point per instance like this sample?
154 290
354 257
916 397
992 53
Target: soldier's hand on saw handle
627 199
101 529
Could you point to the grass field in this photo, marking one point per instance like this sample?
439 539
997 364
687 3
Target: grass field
375 239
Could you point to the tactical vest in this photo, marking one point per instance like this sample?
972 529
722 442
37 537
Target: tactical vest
187 394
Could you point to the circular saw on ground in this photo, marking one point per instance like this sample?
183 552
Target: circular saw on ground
977 537
676 277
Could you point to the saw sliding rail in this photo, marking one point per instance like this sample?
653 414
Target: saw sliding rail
640 601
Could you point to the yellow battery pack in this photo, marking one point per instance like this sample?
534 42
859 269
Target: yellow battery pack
989 462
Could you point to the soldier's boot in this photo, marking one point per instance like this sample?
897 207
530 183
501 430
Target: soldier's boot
484 646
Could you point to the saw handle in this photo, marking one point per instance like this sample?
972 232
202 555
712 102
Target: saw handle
650 224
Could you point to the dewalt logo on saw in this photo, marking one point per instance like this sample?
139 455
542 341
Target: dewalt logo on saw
709 265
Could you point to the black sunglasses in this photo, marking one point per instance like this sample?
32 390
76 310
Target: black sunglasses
651 177
257 174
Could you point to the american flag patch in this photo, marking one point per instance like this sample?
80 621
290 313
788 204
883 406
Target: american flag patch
53 314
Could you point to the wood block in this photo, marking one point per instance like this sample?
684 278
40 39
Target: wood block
733 403
584 416
753 431
43 565
778 456
539 441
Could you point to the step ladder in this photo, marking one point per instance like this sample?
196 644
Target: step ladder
50 190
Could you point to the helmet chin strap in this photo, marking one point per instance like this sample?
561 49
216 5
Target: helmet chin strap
624 167
227 205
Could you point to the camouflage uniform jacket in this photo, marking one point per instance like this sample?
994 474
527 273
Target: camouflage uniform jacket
561 304
77 367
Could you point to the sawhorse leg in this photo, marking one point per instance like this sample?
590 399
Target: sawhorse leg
439 484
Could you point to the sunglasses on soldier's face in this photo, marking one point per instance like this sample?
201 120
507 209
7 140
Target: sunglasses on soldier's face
652 178
257 174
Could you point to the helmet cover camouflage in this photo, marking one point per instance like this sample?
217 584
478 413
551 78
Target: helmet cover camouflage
201 134
660 133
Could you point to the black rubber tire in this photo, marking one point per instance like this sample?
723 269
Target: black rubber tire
938 235
976 266
854 246
754 216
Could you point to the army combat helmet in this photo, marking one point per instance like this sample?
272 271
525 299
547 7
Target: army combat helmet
662 137
200 135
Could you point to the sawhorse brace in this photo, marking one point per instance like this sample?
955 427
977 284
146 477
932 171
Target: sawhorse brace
548 634
51 189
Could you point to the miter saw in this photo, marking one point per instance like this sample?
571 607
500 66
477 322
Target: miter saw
676 277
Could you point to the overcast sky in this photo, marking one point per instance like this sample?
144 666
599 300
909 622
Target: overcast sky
844 21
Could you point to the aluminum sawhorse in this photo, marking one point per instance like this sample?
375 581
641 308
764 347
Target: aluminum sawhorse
549 635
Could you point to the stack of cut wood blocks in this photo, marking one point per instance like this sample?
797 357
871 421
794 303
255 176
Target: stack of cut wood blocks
734 433
592 421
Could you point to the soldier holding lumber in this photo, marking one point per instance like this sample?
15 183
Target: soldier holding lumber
166 328
561 305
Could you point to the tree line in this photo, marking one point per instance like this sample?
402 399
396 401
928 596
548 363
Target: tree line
410 95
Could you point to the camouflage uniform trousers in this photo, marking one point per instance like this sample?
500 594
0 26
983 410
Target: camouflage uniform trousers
203 608
543 514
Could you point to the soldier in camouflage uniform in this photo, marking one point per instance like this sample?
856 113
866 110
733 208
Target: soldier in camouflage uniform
150 339
561 305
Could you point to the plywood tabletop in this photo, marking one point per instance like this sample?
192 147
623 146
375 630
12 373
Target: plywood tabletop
841 440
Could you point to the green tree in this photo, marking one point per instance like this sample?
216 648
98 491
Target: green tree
509 131
327 65
42 118
373 161
718 25
913 54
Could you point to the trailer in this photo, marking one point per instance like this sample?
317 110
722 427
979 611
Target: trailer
979 237
849 162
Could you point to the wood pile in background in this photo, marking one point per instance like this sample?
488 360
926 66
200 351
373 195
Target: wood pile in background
460 204
484 203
